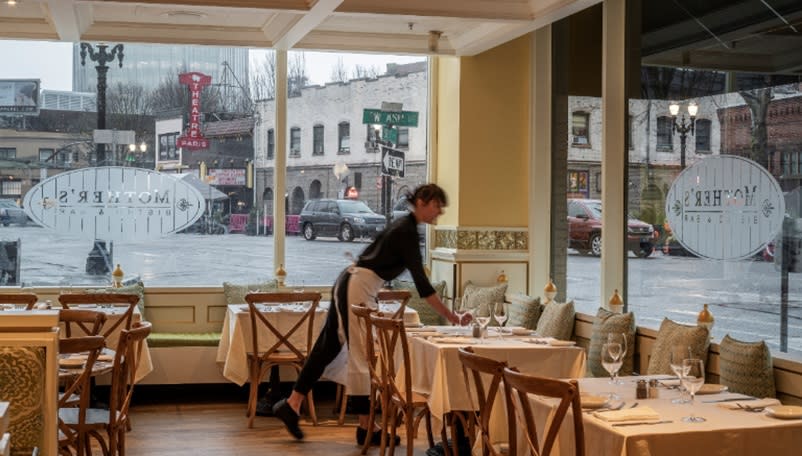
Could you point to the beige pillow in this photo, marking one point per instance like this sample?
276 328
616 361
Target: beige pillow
427 315
474 295
524 311
235 293
746 367
557 320
605 323
135 289
697 338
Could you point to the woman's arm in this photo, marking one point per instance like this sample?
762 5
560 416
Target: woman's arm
440 308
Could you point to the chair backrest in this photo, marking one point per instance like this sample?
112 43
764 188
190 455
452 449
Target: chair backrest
127 357
521 385
29 299
479 366
392 337
129 301
363 313
303 323
79 385
401 296
83 322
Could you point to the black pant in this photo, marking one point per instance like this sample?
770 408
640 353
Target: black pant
328 346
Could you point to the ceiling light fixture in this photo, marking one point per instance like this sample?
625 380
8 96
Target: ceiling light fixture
434 39
11 2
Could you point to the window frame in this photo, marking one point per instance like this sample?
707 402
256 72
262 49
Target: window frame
708 125
318 140
344 138
575 130
664 122
295 142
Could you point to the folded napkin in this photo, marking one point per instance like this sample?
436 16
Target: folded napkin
561 343
452 340
746 403
644 413
423 333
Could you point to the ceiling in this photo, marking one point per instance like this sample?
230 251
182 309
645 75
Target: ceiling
466 27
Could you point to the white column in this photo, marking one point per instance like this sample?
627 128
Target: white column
279 172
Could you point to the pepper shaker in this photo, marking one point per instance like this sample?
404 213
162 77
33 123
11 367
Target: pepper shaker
653 389
641 392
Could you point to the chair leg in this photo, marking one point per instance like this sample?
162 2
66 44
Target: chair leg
253 395
371 417
310 401
411 428
343 401
448 421
393 429
429 434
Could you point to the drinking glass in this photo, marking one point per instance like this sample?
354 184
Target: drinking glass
693 377
459 310
676 356
619 338
482 314
611 361
500 315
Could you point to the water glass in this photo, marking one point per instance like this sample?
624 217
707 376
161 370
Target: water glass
621 339
693 377
482 314
611 361
459 310
500 314
676 356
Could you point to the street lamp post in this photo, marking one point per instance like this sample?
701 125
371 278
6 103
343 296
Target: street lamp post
133 149
683 128
102 56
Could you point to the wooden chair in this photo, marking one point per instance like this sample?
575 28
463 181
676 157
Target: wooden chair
81 322
521 385
397 395
283 351
29 299
108 427
76 394
479 366
129 301
401 296
363 314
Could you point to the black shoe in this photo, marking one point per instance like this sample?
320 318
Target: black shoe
264 407
286 414
375 438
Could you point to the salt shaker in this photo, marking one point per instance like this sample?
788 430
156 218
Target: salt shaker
653 389
641 392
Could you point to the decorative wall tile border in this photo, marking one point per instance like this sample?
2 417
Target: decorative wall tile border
481 238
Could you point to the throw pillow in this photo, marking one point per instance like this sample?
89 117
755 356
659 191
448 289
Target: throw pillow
474 295
557 320
746 367
524 311
605 323
235 293
135 289
427 315
697 338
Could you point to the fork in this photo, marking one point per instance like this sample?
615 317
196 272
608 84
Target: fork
749 408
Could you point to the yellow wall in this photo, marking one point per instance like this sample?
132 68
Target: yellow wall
489 116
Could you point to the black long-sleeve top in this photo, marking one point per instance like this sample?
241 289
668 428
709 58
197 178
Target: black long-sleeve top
395 249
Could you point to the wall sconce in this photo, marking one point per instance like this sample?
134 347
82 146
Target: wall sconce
434 39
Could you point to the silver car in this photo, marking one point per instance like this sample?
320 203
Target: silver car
11 213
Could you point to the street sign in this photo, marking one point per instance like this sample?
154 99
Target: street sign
390 134
393 162
399 119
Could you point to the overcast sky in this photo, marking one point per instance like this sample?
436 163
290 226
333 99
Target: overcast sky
52 62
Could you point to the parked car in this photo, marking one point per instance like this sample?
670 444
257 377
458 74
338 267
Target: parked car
345 219
11 213
585 228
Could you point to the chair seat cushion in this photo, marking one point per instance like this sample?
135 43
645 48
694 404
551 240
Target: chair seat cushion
605 323
746 367
557 320
697 338
427 315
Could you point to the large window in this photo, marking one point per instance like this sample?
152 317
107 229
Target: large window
295 142
8 152
271 143
580 128
703 135
344 138
317 140
665 134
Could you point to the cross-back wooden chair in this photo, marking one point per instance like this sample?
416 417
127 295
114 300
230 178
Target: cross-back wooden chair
128 301
108 427
521 385
283 351
74 398
397 395
81 322
29 299
479 366
363 314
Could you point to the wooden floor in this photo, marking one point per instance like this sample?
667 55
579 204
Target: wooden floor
214 423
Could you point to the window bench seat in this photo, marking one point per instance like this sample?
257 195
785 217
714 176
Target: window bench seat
183 339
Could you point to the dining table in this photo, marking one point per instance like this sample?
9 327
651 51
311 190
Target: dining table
655 426
235 340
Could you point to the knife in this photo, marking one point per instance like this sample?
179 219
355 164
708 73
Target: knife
642 423
731 399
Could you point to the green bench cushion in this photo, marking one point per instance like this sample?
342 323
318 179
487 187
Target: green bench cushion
209 339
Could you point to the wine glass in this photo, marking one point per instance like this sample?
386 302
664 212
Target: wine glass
459 310
500 315
676 356
482 315
693 377
619 338
611 361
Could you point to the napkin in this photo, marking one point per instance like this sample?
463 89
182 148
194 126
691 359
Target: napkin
423 333
759 403
451 340
561 343
644 413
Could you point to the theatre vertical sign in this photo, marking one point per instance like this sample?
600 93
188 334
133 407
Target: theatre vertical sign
193 138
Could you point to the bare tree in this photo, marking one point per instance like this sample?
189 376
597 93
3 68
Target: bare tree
758 101
128 99
263 78
365 72
297 78
338 72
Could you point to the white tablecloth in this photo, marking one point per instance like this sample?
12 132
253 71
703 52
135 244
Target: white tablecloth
726 432
235 341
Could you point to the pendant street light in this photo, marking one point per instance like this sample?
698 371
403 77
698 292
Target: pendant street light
102 56
683 128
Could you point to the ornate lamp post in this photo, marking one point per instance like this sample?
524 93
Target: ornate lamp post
135 151
683 128
102 56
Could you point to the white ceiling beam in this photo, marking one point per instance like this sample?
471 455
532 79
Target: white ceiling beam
387 43
64 15
319 12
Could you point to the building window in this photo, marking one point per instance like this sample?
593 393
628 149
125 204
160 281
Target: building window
12 187
702 133
403 137
665 134
785 164
579 128
372 135
317 140
45 155
9 152
358 181
167 148
271 143
295 142
578 184
344 138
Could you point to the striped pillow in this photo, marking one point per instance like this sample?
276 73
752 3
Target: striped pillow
557 320
746 367
605 323
697 338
